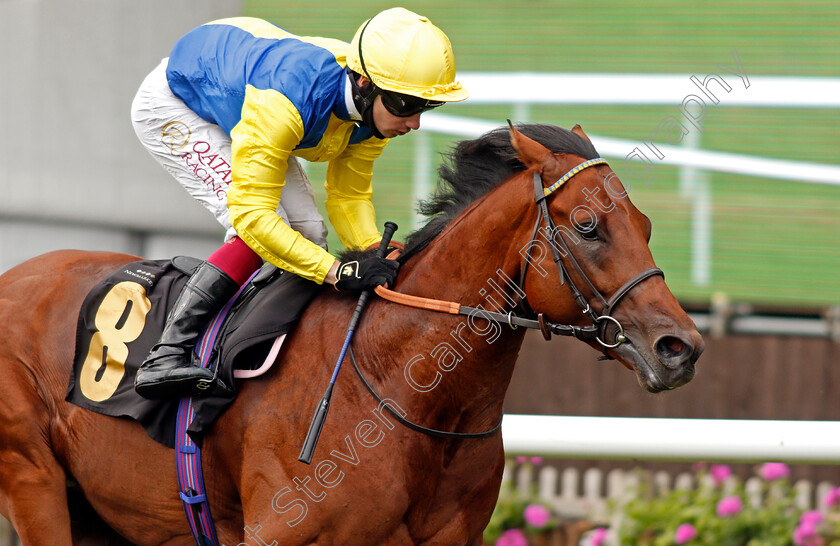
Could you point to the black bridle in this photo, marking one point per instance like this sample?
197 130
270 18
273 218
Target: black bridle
600 321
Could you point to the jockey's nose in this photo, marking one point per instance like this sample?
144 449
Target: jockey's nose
413 122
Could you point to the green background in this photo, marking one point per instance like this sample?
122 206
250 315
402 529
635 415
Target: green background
772 241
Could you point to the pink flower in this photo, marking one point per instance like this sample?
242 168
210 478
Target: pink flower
806 535
774 471
720 473
521 459
811 517
536 515
512 537
685 533
832 498
598 536
729 506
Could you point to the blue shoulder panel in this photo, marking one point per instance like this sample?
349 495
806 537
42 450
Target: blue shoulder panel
359 134
211 65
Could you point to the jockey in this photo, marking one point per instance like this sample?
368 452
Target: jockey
229 112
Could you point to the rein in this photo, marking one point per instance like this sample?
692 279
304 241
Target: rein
453 308
600 322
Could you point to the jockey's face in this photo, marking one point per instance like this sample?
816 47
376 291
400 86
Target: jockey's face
390 125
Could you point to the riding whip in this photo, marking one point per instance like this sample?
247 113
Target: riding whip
324 405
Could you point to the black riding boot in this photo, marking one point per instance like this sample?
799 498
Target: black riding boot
169 370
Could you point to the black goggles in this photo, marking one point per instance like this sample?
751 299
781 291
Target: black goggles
405 106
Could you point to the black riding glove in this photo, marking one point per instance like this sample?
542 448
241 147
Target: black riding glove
364 274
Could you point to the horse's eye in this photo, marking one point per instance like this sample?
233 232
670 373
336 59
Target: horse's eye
588 231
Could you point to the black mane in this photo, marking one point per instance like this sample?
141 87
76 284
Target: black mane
474 167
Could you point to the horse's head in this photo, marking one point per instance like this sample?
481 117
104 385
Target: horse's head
605 280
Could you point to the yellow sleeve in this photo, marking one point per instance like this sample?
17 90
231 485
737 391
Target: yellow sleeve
261 143
349 192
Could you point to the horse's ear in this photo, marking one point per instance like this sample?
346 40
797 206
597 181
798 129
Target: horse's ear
579 132
530 152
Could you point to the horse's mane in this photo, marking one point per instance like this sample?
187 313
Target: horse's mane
474 167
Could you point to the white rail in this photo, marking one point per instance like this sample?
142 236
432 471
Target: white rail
801 171
648 89
627 438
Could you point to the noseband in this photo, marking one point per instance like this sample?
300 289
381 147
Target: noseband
600 321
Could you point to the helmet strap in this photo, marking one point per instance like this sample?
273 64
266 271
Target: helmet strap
361 55
366 94
364 97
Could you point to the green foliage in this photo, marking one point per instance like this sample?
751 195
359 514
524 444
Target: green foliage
510 512
653 520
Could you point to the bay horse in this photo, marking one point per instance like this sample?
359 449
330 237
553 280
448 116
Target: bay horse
373 480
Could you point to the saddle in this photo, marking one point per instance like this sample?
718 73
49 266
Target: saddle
122 318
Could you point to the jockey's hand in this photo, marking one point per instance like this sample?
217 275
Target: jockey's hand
365 274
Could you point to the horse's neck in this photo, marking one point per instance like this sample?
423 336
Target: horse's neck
477 252
469 360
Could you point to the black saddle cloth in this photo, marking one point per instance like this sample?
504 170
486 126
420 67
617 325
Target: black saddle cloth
122 317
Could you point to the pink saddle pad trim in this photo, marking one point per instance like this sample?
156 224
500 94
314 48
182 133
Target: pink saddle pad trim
266 365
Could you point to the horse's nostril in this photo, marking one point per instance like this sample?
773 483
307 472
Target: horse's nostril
672 350
674 345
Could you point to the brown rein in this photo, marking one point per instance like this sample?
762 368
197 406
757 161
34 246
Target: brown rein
453 308
417 302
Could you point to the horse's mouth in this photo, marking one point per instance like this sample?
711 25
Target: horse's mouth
650 375
647 376
649 380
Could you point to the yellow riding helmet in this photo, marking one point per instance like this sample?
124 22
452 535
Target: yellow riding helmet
403 52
